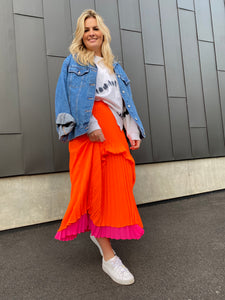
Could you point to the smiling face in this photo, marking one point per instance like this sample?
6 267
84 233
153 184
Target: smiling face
92 37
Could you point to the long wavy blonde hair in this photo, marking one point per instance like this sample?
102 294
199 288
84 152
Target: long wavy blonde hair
77 48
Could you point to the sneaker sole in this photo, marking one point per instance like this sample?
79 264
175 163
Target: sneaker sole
122 282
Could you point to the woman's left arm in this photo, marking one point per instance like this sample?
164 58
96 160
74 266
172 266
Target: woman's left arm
135 144
132 131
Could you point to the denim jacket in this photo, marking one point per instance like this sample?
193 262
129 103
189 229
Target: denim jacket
75 94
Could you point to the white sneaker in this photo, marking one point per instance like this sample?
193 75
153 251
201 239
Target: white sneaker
117 271
94 240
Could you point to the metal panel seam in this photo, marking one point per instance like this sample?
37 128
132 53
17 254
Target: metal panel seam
50 109
166 79
182 61
117 1
196 28
217 77
20 116
149 122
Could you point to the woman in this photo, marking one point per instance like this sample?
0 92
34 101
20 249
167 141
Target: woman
93 104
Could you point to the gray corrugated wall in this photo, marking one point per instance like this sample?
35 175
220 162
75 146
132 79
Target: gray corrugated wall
173 52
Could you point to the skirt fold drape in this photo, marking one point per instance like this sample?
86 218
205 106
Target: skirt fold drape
102 179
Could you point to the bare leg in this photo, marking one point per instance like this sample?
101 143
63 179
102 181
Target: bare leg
107 250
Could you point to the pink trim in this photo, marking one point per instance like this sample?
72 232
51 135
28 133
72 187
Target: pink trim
85 224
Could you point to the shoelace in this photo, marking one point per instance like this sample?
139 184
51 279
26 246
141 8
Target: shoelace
118 266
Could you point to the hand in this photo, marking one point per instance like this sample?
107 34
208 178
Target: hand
135 144
96 136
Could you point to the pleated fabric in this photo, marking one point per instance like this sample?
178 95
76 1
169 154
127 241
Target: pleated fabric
102 178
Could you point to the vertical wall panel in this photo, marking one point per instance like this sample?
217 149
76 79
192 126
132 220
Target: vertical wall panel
34 94
109 10
11 155
211 95
203 18
151 31
180 128
58 27
9 101
132 47
129 14
218 19
221 77
61 155
159 113
199 142
172 48
28 7
192 69
161 56
77 7
186 4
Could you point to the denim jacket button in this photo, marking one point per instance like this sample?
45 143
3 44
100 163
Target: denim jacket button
136 119
128 105
118 76
123 92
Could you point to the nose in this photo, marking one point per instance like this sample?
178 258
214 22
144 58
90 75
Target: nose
91 32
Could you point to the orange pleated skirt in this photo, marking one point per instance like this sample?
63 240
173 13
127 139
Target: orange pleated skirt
102 178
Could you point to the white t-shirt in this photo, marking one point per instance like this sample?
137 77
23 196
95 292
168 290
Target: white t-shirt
107 90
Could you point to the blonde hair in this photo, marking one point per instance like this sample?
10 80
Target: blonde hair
77 48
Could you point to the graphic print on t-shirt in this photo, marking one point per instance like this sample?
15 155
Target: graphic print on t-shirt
105 86
108 91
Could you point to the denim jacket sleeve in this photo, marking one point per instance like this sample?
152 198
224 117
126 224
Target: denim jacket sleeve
65 122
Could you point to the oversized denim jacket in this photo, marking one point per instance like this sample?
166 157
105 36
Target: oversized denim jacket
75 94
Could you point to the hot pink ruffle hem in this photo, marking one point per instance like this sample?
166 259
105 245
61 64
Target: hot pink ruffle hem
85 224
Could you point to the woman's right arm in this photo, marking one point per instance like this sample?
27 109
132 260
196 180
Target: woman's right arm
65 122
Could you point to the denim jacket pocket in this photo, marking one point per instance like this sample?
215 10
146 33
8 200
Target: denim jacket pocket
77 76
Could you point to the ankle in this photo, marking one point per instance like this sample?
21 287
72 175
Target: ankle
106 248
108 256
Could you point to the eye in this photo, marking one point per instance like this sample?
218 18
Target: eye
96 28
